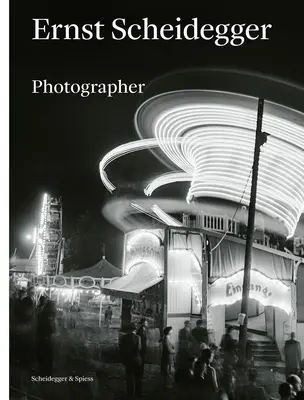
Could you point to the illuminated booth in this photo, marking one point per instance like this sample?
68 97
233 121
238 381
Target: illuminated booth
165 271
272 305
173 274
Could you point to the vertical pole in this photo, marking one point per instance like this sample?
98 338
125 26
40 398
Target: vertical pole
100 305
61 216
204 288
124 256
260 139
72 283
100 310
165 280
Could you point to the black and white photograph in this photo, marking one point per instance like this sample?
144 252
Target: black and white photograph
156 202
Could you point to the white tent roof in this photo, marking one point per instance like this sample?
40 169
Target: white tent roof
141 277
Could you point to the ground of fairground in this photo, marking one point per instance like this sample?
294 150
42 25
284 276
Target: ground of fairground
92 354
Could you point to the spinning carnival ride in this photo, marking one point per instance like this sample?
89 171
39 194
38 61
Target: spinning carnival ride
207 139
49 246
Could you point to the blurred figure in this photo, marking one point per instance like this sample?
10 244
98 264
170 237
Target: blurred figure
229 345
199 337
296 383
217 361
167 358
74 314
222 395
184 358
184 335
17 322
18 306
204 376
27 329
23 338
29 305
249 354
149 312
66 315
285 391
142 333
184 348
108 317
30 296
292 351
60 320
229 382
252 391
130 355
22 294
46 315
20 357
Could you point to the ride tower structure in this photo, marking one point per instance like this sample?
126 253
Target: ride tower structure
49 241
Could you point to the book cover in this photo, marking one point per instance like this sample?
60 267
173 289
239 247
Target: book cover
156 201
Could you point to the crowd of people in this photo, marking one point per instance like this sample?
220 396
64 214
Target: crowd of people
35 320
196 365
200 367
32 325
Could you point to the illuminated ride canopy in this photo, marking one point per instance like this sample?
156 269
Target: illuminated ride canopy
208 139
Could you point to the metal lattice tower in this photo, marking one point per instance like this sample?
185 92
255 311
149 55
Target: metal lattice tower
49 242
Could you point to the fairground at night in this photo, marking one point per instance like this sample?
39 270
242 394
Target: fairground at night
156 205
222 261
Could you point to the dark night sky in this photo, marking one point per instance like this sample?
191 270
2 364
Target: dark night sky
57 141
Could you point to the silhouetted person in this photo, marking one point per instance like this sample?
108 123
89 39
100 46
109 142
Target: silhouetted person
184 335
167 358
199 337
18 306
228 344
204 375
296 383
249 354
285 391
142 333
184 358
252 391
228 381
27 330
17 323
29 305
130 355
108 317
46 314
74 314
292 351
